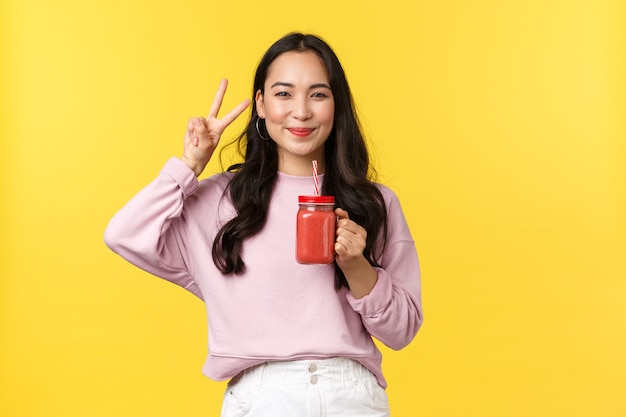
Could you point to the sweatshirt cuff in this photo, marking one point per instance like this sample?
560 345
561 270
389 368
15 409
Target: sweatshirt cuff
375 302
180 172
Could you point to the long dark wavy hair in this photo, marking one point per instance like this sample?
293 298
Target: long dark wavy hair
349 175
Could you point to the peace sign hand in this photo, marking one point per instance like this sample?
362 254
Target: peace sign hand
203 134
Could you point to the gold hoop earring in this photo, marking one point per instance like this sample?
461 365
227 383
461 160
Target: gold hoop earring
258 130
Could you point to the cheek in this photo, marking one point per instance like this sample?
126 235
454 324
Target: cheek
274 110
328 115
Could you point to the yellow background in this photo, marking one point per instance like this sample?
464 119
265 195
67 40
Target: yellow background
500 124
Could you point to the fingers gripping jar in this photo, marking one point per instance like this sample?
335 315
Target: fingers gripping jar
315 230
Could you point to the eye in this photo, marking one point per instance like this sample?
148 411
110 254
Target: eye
282 94
319 94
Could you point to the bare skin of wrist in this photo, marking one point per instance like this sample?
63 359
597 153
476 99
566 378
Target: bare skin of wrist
193 165
361 278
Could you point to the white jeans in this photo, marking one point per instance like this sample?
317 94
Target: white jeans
335 387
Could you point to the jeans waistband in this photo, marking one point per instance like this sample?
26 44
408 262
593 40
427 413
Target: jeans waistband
335 371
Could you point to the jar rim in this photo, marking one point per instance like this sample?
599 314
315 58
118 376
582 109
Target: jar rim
316 199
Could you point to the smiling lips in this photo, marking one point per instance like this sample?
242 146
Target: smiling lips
300 131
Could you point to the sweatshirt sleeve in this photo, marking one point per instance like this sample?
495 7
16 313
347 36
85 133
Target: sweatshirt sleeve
392 311
149 231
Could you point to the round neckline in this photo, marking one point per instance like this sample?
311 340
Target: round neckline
297 180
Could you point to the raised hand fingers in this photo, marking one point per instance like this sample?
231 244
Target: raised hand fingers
219 97
203 134
195 126
234 113
217 104
190 133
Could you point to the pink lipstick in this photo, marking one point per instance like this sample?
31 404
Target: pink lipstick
300 132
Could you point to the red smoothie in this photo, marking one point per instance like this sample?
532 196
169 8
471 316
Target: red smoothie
315 230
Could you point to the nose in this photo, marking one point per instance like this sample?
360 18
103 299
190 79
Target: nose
301 108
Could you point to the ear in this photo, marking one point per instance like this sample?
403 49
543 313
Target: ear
260 106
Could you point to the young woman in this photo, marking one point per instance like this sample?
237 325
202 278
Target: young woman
294 339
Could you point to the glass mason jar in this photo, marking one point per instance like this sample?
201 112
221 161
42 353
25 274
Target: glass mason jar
315 230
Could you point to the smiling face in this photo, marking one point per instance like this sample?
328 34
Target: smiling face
298 107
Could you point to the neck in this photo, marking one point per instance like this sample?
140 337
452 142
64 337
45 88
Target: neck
302 167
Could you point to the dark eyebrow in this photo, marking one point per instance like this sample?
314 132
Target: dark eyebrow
320 85
289 85
282 84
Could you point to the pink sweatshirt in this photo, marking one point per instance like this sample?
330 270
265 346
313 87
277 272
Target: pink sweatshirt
278 309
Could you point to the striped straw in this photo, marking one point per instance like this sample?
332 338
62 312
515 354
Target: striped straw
315 180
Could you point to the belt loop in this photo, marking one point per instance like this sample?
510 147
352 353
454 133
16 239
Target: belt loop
356 371
346 373
262 374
